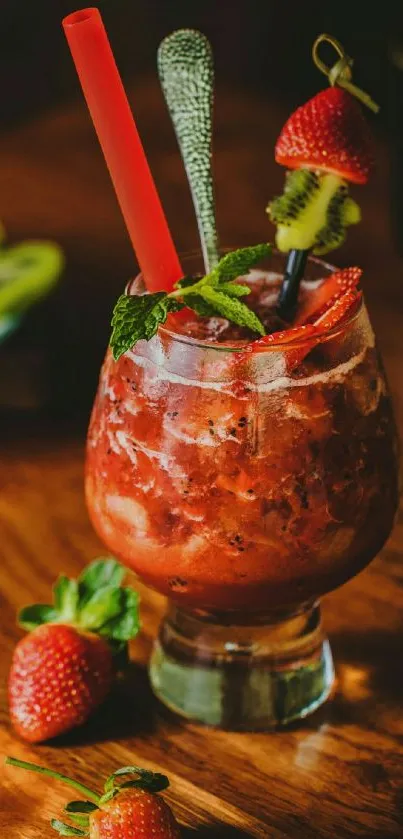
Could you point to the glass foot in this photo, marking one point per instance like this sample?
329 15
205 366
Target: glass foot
225 671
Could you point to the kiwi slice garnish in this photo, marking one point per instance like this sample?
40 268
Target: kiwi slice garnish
341 212
313 212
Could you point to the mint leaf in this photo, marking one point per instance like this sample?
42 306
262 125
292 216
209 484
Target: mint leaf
207 310
35 615
235 289
200 306
232 309
239 262
138 317
185 282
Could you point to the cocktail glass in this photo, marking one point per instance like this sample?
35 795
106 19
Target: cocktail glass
244 487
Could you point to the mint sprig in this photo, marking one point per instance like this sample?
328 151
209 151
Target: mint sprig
138 317
239 262
233 309
135 317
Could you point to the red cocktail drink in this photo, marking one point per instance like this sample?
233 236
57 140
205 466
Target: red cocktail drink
238 483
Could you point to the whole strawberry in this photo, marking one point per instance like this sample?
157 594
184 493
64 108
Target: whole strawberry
131 809
328 133
134 813
64 668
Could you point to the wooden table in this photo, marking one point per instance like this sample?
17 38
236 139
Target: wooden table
340 773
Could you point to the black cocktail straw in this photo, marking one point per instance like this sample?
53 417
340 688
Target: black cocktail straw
294 271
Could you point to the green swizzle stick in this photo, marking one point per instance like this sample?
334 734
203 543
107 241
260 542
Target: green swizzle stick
185 66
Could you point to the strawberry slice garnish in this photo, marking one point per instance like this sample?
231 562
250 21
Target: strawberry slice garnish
328 133
338 311
309 334
288 340
334 315
285 336
318 301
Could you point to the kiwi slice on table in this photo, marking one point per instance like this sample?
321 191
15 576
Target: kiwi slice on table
27 272
313 212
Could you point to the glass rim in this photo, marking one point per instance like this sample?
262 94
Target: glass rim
274 346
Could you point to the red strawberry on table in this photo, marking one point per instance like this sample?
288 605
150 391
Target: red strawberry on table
127 809
45 663
134 813
328 133
64 668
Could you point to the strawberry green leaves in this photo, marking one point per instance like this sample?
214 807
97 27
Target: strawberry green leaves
67 830
81 807
138 317
33 616
101 572
65 595
150 781
126 623
79 812
96 602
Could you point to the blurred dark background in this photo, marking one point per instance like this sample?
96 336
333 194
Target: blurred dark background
260 44
53 182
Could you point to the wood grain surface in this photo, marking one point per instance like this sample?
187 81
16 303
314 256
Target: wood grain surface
340 773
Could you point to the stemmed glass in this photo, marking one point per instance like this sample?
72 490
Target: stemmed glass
244 487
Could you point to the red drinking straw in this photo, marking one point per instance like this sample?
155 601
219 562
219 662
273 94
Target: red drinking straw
122 148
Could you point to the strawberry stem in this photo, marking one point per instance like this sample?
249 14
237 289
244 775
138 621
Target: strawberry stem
22 764
340 73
